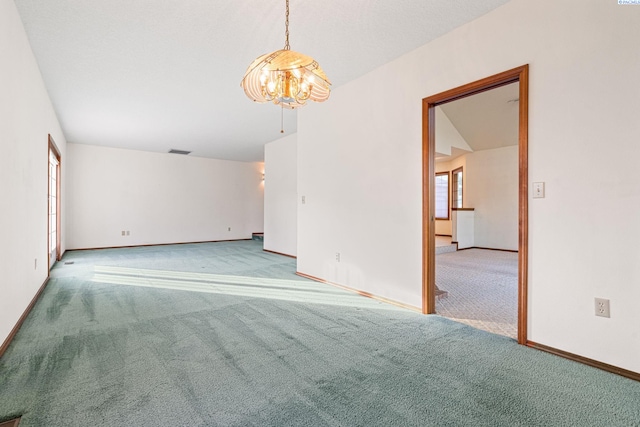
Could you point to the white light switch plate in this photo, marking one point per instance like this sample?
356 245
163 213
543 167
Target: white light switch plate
538 190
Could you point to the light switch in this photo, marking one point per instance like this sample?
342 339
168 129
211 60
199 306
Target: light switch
538 190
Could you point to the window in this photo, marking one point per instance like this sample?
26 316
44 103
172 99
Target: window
456 188
442 195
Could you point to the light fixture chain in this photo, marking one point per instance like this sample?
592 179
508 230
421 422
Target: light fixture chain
281 117
286 25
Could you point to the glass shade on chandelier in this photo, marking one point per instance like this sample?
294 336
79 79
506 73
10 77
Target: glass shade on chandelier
286 77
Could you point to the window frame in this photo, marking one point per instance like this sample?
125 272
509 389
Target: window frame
448 193
454 185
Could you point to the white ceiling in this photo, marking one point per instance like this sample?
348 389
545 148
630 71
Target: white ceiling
159 74
486 120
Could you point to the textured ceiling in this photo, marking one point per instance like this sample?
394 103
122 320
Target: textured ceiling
159 74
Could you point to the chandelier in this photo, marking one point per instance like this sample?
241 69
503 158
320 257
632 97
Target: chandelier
286 77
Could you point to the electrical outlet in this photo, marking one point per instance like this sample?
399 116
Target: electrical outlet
602 307
123 233
229 229
338 256
127 232
304 200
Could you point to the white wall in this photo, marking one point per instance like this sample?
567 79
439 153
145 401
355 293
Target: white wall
281 195
463 224
360 168
159 198
490 186
447 136
492 190
26 119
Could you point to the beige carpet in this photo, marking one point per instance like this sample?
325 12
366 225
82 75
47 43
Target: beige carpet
482 288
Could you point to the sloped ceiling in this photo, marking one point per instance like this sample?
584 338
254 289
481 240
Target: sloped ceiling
487 120
158 74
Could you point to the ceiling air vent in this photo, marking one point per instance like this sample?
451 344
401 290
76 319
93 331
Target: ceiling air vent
174 151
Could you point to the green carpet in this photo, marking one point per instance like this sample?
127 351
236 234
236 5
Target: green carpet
224 334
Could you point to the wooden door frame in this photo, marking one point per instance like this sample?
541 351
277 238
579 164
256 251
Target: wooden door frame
520 75
52 148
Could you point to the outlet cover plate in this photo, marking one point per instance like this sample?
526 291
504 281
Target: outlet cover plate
602 307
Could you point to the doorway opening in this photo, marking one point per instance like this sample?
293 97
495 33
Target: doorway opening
53 204
434 212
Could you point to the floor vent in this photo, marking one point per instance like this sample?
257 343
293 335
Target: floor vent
174 151
65 263
11 423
